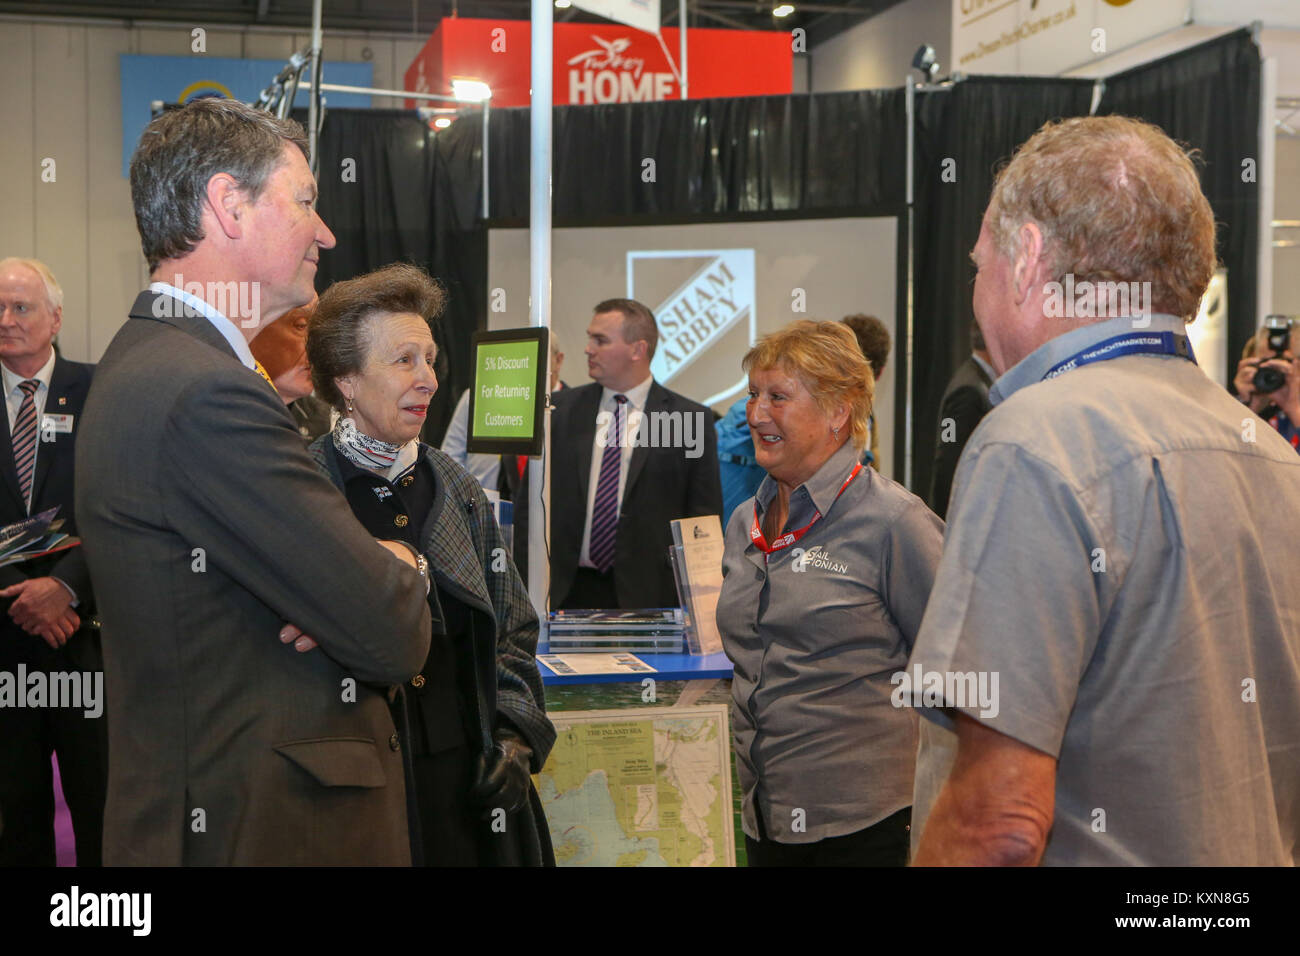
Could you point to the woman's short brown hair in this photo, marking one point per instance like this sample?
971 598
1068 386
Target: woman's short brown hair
825 357
339 333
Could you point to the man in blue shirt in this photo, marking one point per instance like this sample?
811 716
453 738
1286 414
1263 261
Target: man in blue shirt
1111 559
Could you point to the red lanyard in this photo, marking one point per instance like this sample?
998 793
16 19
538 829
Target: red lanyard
790 537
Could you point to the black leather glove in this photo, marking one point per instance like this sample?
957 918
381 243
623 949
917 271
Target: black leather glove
503 778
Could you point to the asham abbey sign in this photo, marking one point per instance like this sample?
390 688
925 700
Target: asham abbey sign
698 296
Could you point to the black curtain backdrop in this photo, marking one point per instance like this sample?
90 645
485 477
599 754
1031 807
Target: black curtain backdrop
417 194
1208 97
968 131
404 204
725 158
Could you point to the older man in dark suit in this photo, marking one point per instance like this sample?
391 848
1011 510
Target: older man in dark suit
207 528
49 597
637 456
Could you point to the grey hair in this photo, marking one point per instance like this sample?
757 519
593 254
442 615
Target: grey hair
1116 200
181 150
53 291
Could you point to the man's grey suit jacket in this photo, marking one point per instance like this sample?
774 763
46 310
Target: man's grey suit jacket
206 528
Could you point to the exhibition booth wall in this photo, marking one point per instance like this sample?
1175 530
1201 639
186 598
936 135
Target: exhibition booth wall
756 159
1207 97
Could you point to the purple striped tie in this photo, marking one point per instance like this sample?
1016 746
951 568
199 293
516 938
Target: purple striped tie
24 438
604 512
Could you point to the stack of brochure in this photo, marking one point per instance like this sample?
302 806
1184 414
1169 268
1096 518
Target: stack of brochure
696 556
660 630
34 537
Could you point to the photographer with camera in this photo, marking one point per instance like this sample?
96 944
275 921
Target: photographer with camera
1270 384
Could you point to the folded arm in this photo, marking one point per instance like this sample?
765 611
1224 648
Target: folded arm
251 497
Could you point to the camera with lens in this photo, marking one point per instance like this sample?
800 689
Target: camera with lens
1278 329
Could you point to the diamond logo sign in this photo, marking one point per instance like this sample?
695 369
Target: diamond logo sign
700 299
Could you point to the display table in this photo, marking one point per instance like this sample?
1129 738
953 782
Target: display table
602 830
689 667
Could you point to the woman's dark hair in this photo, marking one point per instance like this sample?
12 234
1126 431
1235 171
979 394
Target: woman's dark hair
873 338
339 333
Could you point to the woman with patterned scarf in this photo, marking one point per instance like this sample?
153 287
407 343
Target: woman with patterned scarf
474 719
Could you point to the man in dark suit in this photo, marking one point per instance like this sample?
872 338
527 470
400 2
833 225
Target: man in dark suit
50 596
965 402
614 492
207 527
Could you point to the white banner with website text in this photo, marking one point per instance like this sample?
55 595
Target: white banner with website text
1048 37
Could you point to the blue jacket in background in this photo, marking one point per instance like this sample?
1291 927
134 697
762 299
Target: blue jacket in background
739 469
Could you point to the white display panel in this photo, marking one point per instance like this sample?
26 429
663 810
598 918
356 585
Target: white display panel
713 287
1209 332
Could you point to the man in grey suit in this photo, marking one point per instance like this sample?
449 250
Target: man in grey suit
207 528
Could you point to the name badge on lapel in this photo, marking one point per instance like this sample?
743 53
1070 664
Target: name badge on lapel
56 425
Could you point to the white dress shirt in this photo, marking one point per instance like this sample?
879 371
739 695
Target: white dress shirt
632 412
486 469
229 331
14 401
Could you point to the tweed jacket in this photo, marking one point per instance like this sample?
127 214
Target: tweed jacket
463 543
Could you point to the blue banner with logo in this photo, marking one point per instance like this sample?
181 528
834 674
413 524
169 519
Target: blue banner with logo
178 79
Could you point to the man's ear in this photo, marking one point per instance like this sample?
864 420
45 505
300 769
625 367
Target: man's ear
58 321
1028 261
226 200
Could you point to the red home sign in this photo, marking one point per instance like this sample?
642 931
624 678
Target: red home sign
602 63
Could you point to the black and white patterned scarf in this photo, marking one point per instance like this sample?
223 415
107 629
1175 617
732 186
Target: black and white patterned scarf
371 453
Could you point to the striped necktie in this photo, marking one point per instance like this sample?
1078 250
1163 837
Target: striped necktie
604 511
24 439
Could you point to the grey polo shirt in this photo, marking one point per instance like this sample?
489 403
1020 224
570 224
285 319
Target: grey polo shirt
1120 551
815 634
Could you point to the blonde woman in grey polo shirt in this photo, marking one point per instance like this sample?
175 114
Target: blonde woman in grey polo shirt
827 570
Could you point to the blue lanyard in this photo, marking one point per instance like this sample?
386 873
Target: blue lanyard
1130 343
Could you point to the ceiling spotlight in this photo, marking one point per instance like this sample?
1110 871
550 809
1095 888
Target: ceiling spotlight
783 10
563 4
471 91
442 122
925 60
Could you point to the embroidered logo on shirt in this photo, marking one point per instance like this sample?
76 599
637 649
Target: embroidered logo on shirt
801 560
382 492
